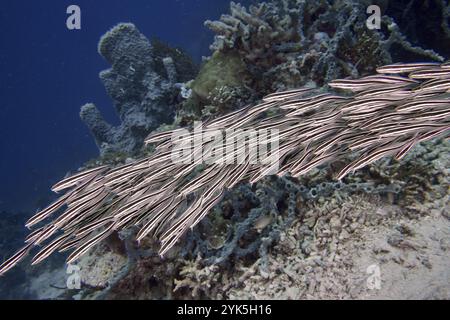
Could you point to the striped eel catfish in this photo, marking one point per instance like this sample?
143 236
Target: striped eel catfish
380 115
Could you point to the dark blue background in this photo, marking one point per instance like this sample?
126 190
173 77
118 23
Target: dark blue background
47 72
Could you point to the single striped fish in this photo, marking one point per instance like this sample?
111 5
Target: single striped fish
406 67
290 94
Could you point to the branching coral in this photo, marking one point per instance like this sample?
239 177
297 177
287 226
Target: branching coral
278 45
285 44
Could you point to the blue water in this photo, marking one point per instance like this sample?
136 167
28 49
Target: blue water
47 72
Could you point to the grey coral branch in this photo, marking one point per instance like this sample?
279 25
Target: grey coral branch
397 37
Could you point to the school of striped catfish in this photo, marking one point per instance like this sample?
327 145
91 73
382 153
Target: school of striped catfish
376 116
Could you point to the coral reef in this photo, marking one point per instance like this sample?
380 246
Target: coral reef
316 257
299 238
326 251
304 239
328 259
143 84
312 131
280 237
286 44
277 45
